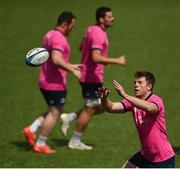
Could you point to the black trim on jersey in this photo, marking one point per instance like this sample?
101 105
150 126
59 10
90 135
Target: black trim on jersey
57 50
56 29
149 96
152 102
96 49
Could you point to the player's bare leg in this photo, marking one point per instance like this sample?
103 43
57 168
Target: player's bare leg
48 125
29 131
66 119
82 123
128 164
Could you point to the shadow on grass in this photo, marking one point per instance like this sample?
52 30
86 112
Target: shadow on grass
21 144
64 142
24 145
60 142
57 143
176 150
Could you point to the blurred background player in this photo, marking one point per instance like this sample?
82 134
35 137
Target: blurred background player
94 49
52 81
149 117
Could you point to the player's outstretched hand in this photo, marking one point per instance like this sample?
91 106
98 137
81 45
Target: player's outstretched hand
119 88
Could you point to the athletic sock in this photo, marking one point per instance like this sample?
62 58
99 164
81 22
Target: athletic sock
41 141
35 125
76 136
72 116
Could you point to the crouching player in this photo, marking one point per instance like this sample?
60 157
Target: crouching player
149 117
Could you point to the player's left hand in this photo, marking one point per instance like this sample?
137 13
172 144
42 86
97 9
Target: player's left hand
119 88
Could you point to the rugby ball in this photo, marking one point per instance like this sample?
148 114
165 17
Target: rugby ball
36 56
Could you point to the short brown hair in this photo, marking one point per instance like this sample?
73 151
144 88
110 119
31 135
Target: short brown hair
65 16
101 12
150 78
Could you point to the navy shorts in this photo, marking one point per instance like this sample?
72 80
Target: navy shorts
89 90
54 98
141 162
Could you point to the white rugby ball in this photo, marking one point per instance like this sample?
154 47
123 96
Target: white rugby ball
36 56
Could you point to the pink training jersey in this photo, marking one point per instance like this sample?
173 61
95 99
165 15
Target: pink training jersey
51 76
152 130
94 38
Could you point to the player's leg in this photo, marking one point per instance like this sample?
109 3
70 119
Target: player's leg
29 131
37 123
55 101
92 102
87 90
66 119
34 126
86 115
50 120
82 123
128 164
84 119
46 129
136 161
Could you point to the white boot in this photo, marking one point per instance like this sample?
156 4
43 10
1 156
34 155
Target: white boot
65 123
78 145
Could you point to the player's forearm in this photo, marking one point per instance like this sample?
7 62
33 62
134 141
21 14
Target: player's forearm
68 67
105 60
64 65
58 60
107 104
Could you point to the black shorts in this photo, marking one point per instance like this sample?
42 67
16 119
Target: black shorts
141 162
54 98
89 90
